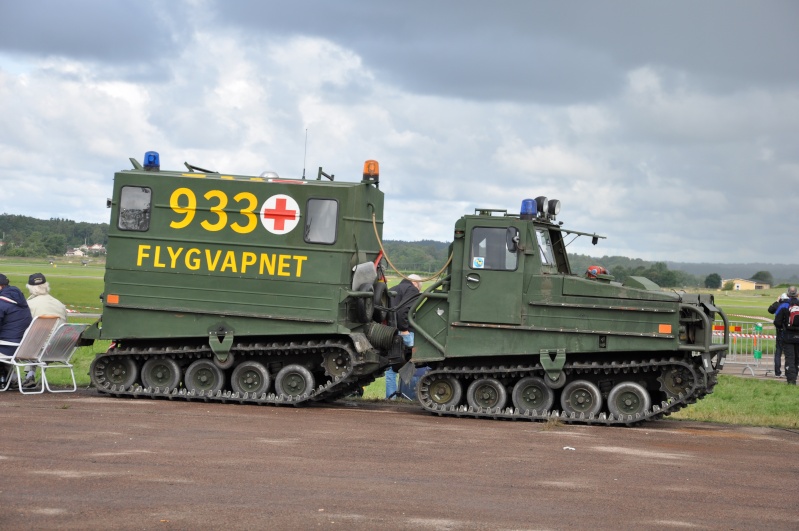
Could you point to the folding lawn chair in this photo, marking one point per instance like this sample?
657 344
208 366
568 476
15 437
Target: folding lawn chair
58 353
30 349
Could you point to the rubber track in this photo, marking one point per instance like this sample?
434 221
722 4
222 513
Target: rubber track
337 387
697 391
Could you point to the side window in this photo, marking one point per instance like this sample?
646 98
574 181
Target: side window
489 250
135 203
545 247
321 220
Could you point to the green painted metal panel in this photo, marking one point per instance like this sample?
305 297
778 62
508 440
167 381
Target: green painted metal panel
186 249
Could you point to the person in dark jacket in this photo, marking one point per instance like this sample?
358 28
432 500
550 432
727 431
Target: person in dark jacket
790 338
15 317
406 292
780 303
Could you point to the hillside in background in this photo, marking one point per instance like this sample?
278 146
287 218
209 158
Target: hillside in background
27 236
785 273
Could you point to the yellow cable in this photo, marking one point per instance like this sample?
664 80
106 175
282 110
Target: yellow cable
377 235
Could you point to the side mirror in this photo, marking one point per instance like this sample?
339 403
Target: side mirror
512 239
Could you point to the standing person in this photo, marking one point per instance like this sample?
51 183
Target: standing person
781 302
790 338
15 318
406 292
41 303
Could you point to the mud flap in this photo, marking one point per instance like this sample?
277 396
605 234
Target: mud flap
406 372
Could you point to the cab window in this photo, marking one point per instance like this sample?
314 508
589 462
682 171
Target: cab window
321 221
545 248
489 250
135 204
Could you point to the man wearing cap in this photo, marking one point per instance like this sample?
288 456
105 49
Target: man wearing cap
777 305
790 338
15 318
41 303
406 293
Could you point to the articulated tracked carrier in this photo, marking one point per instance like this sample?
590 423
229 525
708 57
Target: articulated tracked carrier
266 290
511 333
251 289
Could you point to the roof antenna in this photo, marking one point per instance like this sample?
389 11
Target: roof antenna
305 155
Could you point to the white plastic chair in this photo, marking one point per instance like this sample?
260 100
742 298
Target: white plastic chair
58 353
30 349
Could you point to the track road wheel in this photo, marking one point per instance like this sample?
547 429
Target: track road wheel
445 391
250 377
114 370
628 398
532 393
160 372
203 375
581 396
294 380
486 393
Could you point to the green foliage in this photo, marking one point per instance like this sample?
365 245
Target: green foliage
747 401
422 256
622 267
27 236
764 276
713 281
728 286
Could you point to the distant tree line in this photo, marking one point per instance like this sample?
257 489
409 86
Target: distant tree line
27 236
425 256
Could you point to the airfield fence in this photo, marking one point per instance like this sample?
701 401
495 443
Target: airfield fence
752 345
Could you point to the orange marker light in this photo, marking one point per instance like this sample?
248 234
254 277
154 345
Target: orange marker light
371 170
664 329
112 299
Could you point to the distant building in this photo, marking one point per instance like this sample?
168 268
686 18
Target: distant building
742 284
97 249
74 252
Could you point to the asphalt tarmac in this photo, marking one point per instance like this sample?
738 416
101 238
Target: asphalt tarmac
86 461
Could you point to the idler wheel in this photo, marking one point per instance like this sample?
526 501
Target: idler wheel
628 398
532 393
113 370
203 375
581 396
160 372
486 393
250 377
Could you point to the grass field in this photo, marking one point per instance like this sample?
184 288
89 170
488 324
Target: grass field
735 400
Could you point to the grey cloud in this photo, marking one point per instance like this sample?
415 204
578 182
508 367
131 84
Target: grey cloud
127 31
546 52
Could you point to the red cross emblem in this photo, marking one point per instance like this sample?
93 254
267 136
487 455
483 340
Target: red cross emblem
280 214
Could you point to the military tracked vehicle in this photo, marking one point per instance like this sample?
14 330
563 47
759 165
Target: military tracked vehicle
268 290
512 333
256 289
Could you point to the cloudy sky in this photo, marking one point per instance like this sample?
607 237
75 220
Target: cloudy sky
670 127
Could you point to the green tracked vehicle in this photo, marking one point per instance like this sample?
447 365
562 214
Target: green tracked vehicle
250 289
266 290
511 333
